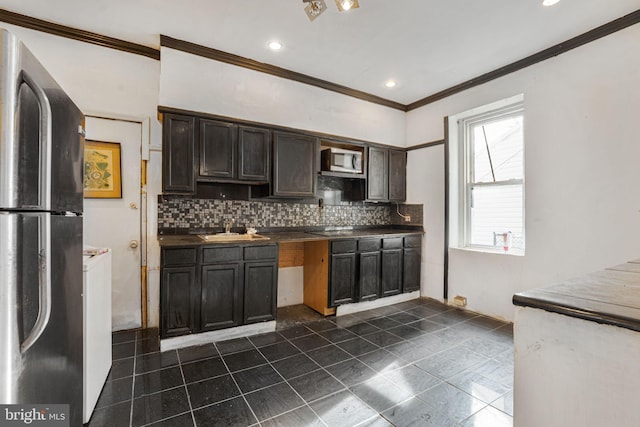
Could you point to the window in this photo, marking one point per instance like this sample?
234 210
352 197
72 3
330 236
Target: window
489 157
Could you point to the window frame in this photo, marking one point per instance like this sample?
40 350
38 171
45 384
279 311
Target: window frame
464 169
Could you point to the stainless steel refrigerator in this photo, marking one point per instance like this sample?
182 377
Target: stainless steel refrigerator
41 155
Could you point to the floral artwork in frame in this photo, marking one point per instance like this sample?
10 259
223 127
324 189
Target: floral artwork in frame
102 170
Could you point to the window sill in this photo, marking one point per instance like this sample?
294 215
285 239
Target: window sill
489 251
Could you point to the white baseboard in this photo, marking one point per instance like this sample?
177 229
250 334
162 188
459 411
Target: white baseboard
380 302
221 335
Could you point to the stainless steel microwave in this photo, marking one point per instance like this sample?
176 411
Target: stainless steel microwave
341 160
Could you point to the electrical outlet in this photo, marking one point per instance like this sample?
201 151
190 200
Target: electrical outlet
459 301
407 218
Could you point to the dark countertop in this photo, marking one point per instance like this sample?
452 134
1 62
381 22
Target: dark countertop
610 296
287 237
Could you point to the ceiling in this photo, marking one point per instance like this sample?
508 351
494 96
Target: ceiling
424 45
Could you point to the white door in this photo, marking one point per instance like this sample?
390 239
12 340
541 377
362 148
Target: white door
115 223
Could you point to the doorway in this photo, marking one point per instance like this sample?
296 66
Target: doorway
116 223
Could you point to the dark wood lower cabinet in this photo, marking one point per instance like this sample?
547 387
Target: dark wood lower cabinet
411 270
222 286
260 289
369 278
373 267
178 289
220 296
343 279
391 272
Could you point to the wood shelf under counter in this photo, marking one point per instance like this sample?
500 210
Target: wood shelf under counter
316 277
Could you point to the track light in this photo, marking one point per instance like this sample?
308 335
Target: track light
347 4
314 8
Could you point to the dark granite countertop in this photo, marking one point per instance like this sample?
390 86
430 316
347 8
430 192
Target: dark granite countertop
610 296
288 236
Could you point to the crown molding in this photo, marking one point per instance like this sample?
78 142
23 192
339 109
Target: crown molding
77 34
592 35
240 61
229 58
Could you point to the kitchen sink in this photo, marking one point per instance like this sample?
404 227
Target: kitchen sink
231 237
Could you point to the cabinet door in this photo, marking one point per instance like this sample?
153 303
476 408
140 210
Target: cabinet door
260 291
391 272
294 165
411 272
378 173
369 277
254 154
397 176
217 149
177 307
342 287
220 296
178 145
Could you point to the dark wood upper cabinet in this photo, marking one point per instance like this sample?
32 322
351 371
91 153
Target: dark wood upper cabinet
295 160
397 175
378 174
217 149
213 150
254 154
387 175
178 148
229 152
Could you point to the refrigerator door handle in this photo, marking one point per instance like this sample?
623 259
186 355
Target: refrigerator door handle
44 286
44 190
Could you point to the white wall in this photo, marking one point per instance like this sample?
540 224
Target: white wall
582 174
200 84
574 373
425 185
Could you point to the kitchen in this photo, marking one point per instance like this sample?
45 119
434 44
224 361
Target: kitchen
579 120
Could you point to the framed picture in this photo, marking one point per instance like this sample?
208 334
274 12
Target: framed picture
102 177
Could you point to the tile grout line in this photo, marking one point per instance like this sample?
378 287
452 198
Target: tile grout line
186 389
236 383
286 381
133 378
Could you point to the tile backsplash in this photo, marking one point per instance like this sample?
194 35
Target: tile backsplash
212 213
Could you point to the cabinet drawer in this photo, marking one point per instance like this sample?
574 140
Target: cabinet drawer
260 252
343 246
368 245
222 254
178 256
412 242
392 243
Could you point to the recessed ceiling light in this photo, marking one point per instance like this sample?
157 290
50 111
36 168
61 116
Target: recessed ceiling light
390 84
549 2
275 45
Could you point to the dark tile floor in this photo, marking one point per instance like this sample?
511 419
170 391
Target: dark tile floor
418 363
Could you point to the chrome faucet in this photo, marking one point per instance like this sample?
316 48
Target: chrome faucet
227 226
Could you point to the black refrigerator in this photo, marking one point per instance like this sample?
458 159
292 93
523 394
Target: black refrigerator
41 156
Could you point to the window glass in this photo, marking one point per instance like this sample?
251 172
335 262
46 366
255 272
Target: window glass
497 150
